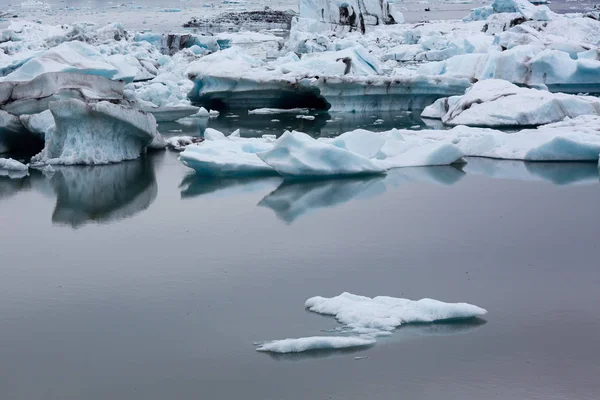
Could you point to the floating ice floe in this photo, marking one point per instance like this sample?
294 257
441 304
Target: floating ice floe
365 318
97 133
500 103
362 152
297 155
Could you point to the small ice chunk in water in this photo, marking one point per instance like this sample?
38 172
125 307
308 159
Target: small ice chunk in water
9 164
314 343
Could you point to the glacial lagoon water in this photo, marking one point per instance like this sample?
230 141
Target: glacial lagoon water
143 281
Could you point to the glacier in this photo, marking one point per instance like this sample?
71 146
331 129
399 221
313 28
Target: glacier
364 319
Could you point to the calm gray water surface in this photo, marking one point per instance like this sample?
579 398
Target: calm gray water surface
141 281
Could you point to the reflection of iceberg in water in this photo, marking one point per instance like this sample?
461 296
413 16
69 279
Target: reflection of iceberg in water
405 332
317 354
103 193
194 185
10 186
442 328
440 175
558 173
292 200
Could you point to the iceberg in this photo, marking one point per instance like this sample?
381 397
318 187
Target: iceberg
97 133
498 103
314 343
364 319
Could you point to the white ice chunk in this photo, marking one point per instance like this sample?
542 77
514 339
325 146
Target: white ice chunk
296 154
9 164
179 143
314 343
440 107
496 102
222 156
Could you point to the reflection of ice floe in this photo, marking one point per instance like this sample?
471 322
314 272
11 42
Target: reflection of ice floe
364 319
193 186
103 193
293 200
558 173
